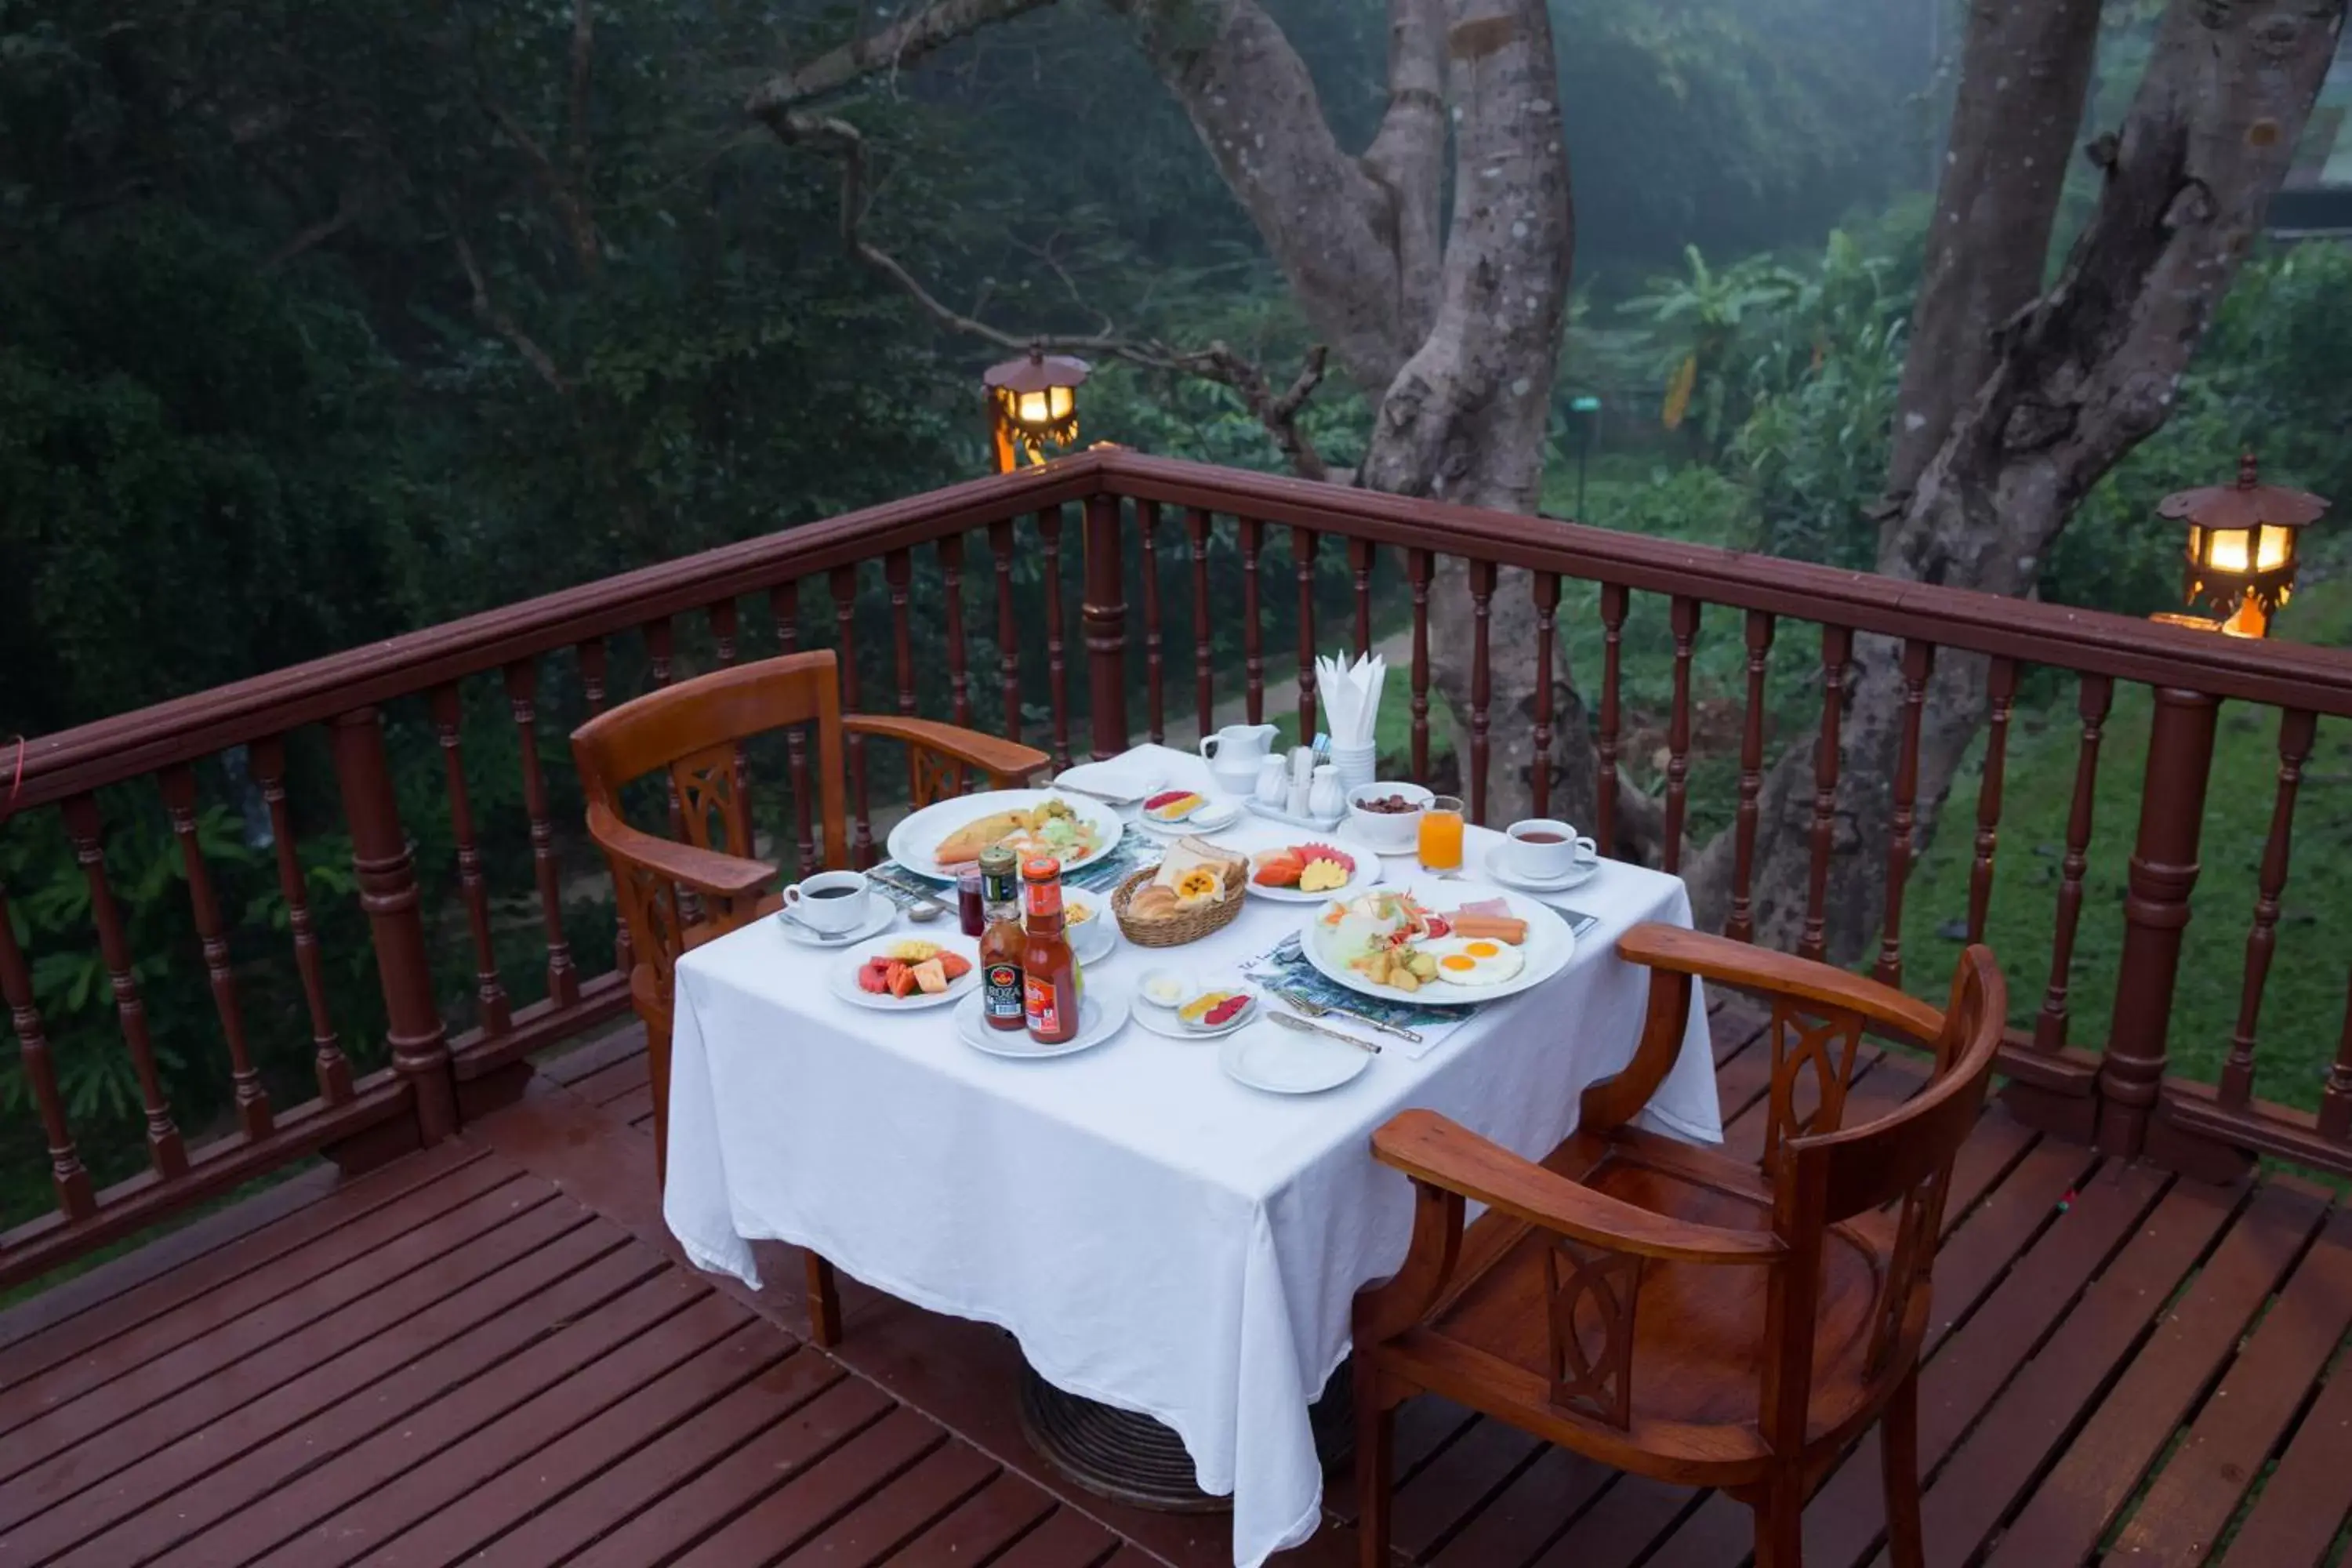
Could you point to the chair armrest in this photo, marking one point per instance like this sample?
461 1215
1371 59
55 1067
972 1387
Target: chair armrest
708 871
1008 763
1743 965
1443 1153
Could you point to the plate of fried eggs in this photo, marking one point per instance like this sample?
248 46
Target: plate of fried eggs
1404 947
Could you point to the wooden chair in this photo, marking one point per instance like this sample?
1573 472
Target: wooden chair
675 894
1670 1310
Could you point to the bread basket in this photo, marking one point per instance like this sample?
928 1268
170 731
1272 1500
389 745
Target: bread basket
1186 925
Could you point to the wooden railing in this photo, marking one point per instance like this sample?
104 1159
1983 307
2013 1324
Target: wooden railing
1155 525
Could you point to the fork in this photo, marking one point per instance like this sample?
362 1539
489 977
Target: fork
1303 1027
1314 1009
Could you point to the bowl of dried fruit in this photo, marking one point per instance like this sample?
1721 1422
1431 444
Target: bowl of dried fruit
1388 816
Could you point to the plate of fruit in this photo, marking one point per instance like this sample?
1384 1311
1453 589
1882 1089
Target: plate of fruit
1175 811
906 976
1291 867
1437 941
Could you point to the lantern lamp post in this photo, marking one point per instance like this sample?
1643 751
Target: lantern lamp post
2242 549
1033 401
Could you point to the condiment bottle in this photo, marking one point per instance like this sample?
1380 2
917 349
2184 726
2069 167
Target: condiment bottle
1003 1005
1049 969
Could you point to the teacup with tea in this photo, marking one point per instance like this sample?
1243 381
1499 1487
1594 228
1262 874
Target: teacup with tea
1545 849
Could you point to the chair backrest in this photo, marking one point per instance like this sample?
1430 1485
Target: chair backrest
694 731
1824 1175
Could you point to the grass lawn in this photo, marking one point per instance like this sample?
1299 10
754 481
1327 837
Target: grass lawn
2303 1006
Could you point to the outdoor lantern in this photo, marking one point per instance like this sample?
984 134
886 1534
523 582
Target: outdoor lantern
2242 543
1032 402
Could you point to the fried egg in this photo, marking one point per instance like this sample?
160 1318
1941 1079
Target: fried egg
1474 962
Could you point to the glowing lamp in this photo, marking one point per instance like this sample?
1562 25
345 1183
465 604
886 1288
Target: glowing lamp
1033 403
2242 548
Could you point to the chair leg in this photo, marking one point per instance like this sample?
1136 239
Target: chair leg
1780 1506
1898 1449
1375 1451
823 1304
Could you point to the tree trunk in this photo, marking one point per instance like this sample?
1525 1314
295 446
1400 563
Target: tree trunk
2079 379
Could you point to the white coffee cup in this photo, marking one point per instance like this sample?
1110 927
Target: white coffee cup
1545 849
830 901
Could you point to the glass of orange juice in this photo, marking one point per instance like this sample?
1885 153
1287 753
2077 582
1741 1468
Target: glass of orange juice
1441 835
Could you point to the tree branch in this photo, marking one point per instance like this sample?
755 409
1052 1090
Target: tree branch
1216 362
930 29
578 224
498 321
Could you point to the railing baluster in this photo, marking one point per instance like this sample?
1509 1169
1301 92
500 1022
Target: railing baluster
68 1177
1682 614
591 653
1482 681
179 786
522 697
1741 925
1303 541
1252 538
2297 727
959 675
490 1006
1198 524
1613 638
1146 524
726 636
1057 673
1544 585
1102 618
1419 564
332 1068
1837 650
1360 561
2000 687
2091 699
1918 661
898 574
784 607
1008 629
725 631
165 1152
660 646
844 582
2335 1096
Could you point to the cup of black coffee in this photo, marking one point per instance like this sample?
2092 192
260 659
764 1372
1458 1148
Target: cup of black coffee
1544 850
831 903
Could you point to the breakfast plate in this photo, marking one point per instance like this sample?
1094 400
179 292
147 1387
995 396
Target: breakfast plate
958 977
1280 1062
1498 867
1456 967
1074 828
1100 1015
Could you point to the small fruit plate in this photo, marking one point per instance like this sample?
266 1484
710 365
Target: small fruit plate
1207 1014
1292 867
906 976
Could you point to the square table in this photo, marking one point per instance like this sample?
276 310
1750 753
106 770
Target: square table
1156 1236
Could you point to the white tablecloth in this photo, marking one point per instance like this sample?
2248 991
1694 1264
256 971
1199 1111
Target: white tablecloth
1156 1236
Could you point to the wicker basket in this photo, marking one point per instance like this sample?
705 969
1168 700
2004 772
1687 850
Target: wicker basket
1191 925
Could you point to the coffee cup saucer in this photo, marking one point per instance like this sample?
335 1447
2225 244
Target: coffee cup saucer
879 915
1499 867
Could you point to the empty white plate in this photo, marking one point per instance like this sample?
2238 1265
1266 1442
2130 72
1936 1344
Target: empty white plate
1281 1062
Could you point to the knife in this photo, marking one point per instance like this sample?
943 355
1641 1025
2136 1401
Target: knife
1315 1009
1292 1021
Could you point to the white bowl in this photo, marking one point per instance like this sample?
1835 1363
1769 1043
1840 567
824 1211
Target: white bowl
1176 981
1390 832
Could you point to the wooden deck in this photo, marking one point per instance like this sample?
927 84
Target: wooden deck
487 1352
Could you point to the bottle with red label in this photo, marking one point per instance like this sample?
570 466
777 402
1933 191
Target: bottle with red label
1003 1000
1049 969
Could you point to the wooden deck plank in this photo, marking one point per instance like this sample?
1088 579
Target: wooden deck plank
635 1106
2028 1424
1534 1506
214 1475
471 1506
1068 1540
2071 1510
2200 1486
1437 1503
773 1493
249 1356
2304 1501
624 1078
376 1434
872 1531
1620 1526
702 1469
352 1222
618 1044
1000 1513
337 1512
